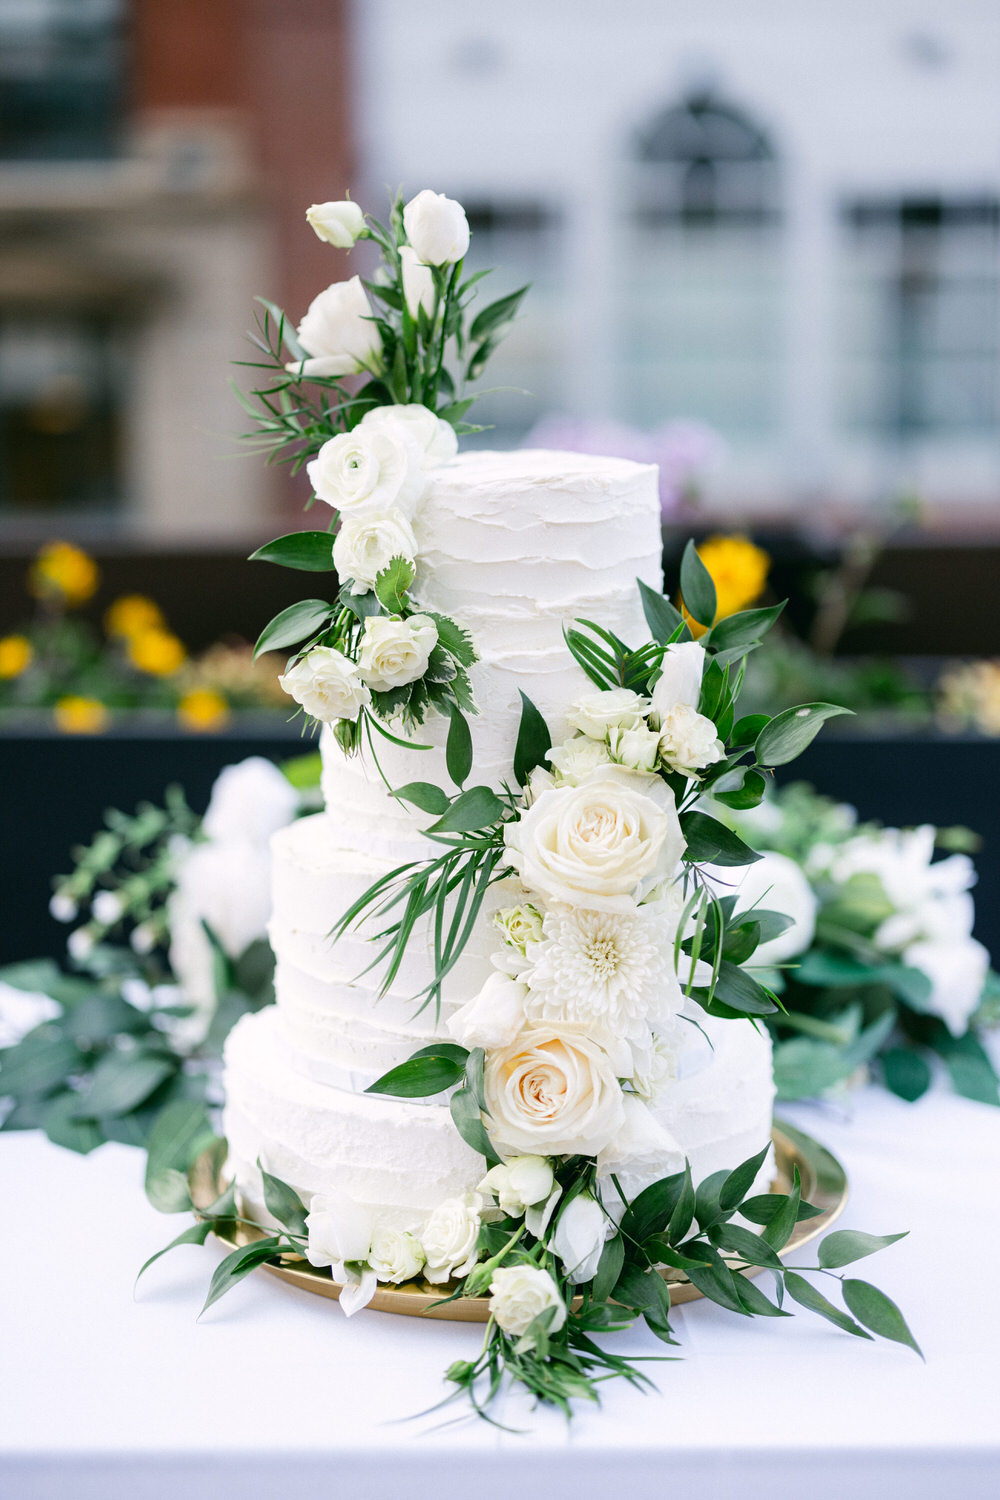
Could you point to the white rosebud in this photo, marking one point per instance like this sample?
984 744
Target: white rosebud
450 1238
433 438
395 1255
107 908
328 686
518 1295
367 471
576 758
580 1234
63 908
688 741
437 228
418 283
637 748
249 801
395 652
339 224
80 944
493 1017
681 671
338 334
339 1231
519 1183
367 544
603 709
519 925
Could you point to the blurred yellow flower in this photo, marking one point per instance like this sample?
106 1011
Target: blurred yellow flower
74 715
61 572
16 652
739 571
131 614
156 651
202 710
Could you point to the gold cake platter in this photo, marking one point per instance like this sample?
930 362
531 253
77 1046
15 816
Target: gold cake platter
824 1185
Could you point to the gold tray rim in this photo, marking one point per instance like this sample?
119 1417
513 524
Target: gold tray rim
824 1184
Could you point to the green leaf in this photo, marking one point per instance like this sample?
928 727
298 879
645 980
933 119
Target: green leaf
392 584
429 797
707 1208
661 616
906 1071
747 794
455 640
194 1234
180 1133
294 624
788 733
479 807
711 842
847 1245
972 1074
609 1268
661 1252
458 751
99 1017
752 1247
754 1301
469 1123
697 588
533 741
804 1067
879 1313
739 992
38 1064
741 1179
651 1209
63 1128
283 1203
746 730
307 551
743 629
766 1206
168 1191
805 1294
419 1077
778 1231
912 986
239 1264
496 315
37 975
680 1219
123 1080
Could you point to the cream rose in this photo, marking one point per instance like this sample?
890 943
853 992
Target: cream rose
339 224
680 677
450 1238
368 470
328 686
367 544
395 1255
432 438
518 1295
519 925
575 759
437 228
519 1183
552 1092
615 708
418 283
493 1017
688 741
593 844
338 334
637 748
395 652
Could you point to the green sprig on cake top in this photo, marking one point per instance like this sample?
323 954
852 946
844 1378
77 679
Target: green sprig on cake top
369 395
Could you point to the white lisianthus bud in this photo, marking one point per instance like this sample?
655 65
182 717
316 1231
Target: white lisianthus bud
493 1017
107 908
638 748
418 283
367 544
80 944
368 470
339 224
437 228
519 1183
450 1238
339 1231
63 908
338 334
395 652
581 1231
518 1295
688 741
328 686
575 758
614 708
519 925
395 1255
433 438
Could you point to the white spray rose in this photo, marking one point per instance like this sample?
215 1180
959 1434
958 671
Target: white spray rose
680 677
106 908
437 228
80 944
774 883
433 438
493 1017
418 283
395 1255
638 748
328 686
395 652
450 1238
551 1092
366 544
21 1011
338 334
519 925
576 758
593 844
519 1183
63 908
250 800
580 1235
339 224
957 970
519 1294
339 1230
615 708
368 470
688 741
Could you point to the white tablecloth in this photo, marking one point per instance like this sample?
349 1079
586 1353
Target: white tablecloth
275 1393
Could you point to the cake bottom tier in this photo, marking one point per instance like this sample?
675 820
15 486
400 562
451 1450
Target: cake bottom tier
401 1159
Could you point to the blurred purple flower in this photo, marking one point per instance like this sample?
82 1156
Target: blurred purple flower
684 451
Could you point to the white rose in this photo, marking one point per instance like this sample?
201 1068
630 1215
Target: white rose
338 334
339 224
519 1183
395 1255
493 1017
776 883
614 708
580 1235
437 228
688 741
368 470
539 780
21 1011
339 1230
418 283
250 800
395 652
680 677
576 758
328 686
957 970
593 844
638 748
642 1152
433 439
450 1238
519 925
367 544
551 1092
519 1294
